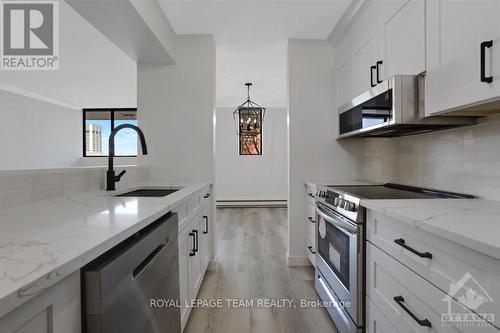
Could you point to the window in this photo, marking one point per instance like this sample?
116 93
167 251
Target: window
250 137
97 126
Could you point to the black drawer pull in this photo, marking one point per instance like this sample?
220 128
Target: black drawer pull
484 46
380 62
422 322
401 242
372 68
311 220
311 249
206 224
196 244
206 195
193 252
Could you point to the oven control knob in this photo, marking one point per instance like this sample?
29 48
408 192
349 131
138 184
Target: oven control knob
349 206
336 201
341 203
322 194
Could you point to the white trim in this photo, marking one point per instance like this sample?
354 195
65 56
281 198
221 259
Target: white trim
297 261
251 203
352 13
212 266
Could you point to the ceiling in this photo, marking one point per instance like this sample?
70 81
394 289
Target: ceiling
251 38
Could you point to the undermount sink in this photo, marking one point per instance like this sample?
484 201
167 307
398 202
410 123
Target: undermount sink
149 192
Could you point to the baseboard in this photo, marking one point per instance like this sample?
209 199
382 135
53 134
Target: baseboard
251 203
212 265
297 261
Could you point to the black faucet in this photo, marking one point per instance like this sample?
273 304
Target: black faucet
111 177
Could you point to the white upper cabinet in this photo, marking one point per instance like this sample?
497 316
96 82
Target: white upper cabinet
343 72
455 32
387 38
402 38
365 49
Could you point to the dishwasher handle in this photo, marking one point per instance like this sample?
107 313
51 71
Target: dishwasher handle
150 258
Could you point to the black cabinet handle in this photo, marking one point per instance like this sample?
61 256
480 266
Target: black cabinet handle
484 46
196 243
206 195
401 242
311 220
193 252
372 68
422 322
206 224
311 195
378 70
311 249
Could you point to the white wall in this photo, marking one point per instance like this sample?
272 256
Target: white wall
176 110
41 110
36 134
93 72
261 177
314 154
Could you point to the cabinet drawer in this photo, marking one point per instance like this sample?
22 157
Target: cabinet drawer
206 195
451 263
311 212
310 194
393 287
311 230
376 322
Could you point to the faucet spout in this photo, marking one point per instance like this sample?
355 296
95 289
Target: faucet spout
111 178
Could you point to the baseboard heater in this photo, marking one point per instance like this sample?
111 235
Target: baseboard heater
252 203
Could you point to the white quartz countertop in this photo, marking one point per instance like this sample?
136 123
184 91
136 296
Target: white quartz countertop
45 241
473 223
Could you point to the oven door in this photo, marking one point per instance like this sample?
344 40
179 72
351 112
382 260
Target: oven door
340 259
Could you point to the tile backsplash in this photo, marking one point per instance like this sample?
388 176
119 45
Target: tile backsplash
23 186
463 160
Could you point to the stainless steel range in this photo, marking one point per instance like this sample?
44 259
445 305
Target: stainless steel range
340 256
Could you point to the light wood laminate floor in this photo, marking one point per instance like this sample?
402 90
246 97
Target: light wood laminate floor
252 265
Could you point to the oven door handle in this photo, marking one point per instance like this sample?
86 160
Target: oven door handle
341 224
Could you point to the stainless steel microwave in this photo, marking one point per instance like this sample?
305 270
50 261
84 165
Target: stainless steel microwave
393 108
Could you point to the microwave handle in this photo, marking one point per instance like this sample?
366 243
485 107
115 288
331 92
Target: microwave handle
341 224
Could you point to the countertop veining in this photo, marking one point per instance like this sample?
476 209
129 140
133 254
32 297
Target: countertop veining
42 242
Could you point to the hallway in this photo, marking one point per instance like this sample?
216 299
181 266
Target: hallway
252 266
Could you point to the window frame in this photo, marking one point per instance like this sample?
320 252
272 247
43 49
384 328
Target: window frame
112 120
259 135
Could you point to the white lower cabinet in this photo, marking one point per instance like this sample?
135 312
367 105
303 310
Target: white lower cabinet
376 322
410 302
56 310
205 238
310 222
194 257
437 260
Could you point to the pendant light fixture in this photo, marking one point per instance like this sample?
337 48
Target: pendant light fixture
248 118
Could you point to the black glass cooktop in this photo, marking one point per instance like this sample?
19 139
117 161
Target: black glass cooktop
395 191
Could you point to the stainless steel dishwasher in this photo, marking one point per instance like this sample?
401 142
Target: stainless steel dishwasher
117 287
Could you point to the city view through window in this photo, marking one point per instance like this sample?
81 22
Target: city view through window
98 126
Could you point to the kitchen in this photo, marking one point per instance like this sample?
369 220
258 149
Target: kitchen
327 166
